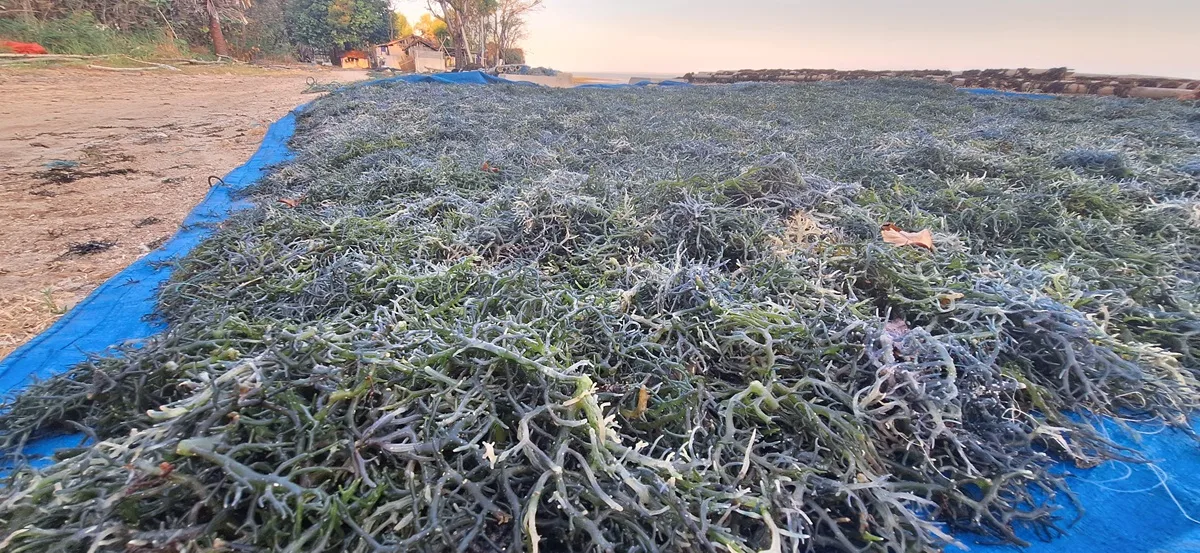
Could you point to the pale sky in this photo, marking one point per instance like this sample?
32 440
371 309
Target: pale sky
1155 37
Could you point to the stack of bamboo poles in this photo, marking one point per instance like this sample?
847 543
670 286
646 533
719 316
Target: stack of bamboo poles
1052 81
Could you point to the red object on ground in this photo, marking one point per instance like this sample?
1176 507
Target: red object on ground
22 47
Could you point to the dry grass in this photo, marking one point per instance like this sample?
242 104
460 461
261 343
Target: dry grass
22 316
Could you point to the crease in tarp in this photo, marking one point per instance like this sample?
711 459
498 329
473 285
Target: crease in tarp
1129 508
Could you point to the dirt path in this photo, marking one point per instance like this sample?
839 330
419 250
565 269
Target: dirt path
99 168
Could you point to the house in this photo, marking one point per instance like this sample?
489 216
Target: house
355 59
412 54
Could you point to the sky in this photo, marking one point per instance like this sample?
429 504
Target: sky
1149 37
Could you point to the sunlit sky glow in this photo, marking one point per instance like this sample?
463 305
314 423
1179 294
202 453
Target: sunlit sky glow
1152 37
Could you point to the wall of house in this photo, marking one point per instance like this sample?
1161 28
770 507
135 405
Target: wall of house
355 63
394 59
418 59
426 60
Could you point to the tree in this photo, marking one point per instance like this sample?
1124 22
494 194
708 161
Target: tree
337 25
400 26
214 11
214 29
264 35
359 22
432 28
509 26
476 24
513 55
459 18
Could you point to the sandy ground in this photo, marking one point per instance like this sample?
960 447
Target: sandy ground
90 158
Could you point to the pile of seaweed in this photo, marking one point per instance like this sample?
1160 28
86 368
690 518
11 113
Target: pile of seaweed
507 318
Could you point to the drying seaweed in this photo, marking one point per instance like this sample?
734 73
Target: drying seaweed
62 174
660 320
88 248
147 222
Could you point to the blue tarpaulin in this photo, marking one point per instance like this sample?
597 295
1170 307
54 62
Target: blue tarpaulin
1007 93
121 309
1130 508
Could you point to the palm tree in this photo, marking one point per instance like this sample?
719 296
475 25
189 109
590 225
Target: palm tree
215 10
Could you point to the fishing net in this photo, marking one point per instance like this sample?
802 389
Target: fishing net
503 319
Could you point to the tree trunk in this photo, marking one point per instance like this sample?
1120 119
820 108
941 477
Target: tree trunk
457 29
501 41
483 43
214 30
466 45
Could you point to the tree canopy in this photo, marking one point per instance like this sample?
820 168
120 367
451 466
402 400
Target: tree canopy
432 28
400 26
478 30
338 24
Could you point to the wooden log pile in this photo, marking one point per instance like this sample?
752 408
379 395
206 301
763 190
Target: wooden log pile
1059 80
806 75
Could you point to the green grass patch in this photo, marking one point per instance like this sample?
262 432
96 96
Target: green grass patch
81 34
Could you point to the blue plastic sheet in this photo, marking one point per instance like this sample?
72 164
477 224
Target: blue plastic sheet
1007 93
121 309
1129 508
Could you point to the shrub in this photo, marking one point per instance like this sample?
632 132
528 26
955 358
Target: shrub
80 33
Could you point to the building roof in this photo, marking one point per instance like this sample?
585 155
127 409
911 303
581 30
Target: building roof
354 54
410 41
